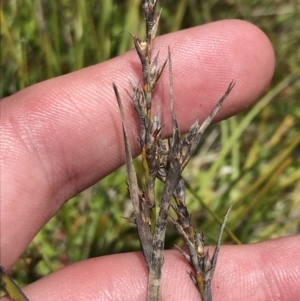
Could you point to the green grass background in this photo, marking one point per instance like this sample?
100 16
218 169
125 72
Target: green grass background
251 160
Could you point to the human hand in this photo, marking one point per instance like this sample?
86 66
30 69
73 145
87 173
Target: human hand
63 135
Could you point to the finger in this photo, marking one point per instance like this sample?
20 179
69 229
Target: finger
258 272
62 135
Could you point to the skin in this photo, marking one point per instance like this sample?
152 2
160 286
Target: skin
60 136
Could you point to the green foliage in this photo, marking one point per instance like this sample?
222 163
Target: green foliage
251 160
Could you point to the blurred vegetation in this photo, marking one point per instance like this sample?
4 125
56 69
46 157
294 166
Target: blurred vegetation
251 160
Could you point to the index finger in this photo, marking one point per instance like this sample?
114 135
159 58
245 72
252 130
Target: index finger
63 135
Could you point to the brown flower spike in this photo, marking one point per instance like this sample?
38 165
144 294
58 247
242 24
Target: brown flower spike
164 160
